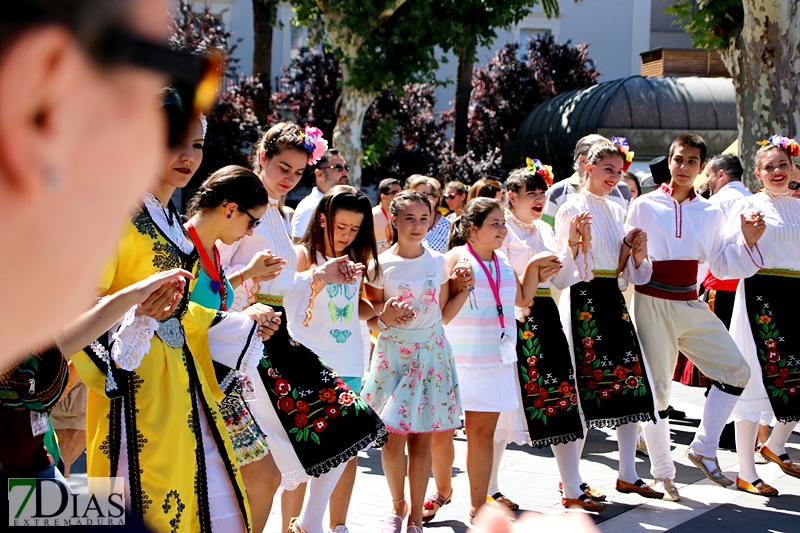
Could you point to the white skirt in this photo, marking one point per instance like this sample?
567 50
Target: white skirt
491 389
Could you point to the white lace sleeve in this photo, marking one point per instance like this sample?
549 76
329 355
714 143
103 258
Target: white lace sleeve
131 341
234 342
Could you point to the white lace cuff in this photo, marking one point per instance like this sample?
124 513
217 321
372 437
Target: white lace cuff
234 342
131 341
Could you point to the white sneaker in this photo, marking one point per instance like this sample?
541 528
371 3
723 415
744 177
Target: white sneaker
341 528
667 486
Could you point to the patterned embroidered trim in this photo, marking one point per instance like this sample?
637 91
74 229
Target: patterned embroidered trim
561 439
609 274
544 292
103 354
225 383
315 285
128 354
268 299
252 354
612 423
370 441
782 272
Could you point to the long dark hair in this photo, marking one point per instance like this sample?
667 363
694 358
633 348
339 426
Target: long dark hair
473 214
363 249
229 184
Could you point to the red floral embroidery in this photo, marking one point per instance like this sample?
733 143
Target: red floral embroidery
531 387
637 369
770 343
618 386
589 356
598 374
300 419
302 406
549 410
285 404
779 383
565 389
771 368
784 372
320 424
792 390
543 393
327 395
538 402
346 398
605 393
533 373
591 385
621 372
282 387
585 369
588 342
563 403
332 411
773 355
632 382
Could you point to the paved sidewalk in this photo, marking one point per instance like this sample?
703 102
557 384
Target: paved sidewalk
529 477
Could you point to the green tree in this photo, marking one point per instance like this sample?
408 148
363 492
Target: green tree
759 42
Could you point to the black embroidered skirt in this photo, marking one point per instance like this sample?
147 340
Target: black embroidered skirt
547 377
327 423
770 312
612 381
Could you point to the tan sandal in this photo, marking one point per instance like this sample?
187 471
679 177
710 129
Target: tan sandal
293 527
715 475
430 501
584 503
499 499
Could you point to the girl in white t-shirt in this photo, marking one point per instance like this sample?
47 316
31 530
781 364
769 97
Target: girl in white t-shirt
340 225
412 384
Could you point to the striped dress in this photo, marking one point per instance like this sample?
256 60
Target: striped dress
487 384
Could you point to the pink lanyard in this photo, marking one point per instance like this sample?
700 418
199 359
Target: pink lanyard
495 285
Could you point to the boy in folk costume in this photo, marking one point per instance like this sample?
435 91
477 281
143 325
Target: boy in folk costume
682 229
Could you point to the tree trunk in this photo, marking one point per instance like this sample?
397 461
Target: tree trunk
351 107
264 15
764 62
466 58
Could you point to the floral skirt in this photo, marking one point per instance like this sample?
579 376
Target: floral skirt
413 383
547 377
327 424
774 358
612 380
249 442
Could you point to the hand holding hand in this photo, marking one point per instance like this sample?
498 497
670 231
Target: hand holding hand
264 267
396 312
462 278
636 240
339 270
267 319
753 226
584 227
158 296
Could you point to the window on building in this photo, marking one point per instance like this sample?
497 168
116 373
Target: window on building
530 33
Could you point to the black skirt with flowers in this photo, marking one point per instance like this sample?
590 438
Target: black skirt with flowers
547 377
612 381
327 423
771 315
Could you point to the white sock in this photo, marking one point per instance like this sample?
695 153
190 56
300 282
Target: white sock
718 408
780 434
317 495
499 448
746 432
657 438
569 467
626 441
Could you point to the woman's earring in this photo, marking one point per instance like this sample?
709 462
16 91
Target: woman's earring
228 215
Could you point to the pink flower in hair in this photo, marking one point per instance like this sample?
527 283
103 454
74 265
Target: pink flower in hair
314 144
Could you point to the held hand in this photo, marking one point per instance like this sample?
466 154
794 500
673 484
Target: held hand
159 295
636 240
585 227
574 232
753 227
462 277
264 267
267 319
547 272
545 259
339 270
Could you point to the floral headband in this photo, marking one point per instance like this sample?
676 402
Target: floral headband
537 167
786 144
627 153
314 144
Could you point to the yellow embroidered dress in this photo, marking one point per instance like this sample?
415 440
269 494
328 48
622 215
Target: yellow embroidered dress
152 413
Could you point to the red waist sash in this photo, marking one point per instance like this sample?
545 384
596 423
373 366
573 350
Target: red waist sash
712 283
672 280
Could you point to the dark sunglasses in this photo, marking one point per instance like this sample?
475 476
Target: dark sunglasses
453 195
254 222
337 168
199 77
794 185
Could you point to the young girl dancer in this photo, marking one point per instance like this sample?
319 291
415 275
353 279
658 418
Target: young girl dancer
341 225
219 211
145 382
303 406
548 414
483 338
613 387
762 318
413 382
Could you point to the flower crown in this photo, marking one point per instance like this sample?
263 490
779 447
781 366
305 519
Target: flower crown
627 153
314 144
786 144
537 167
